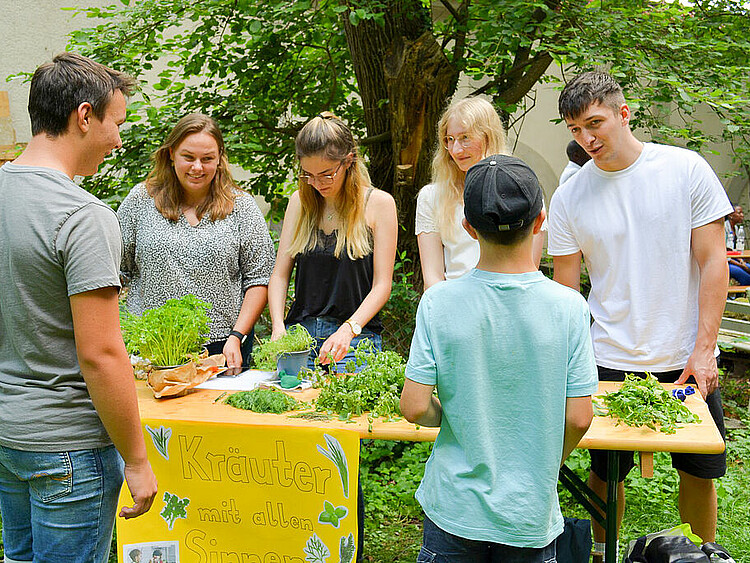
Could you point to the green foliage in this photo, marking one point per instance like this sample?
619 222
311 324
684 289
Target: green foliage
262 400
400 313
377 388
672 58
644 402
296 339
168 335
259 68
390 474
263 68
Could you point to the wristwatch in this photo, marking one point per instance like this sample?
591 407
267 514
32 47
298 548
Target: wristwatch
239 335
354 325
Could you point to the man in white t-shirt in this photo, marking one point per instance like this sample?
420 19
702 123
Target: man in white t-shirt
647 220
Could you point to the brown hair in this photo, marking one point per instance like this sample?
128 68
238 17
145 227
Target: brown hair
586 89
59 87
164 186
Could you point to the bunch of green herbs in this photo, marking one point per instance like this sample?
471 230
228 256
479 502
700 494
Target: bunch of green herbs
267 351
262 400
377 388
644 402
170 335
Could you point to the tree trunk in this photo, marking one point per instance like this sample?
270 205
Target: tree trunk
404 82
420 81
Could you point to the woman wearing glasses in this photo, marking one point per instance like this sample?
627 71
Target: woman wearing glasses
469 130
340 232
188 229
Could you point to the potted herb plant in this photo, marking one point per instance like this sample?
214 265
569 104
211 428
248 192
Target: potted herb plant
288 354
172 338
170 335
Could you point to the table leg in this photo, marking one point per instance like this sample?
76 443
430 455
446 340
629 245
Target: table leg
610 556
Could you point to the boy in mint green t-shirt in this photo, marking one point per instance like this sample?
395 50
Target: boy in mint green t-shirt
510 354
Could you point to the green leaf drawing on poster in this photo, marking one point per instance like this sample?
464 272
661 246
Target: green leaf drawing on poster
161 438
332 515
174 508
347 549
336 454
315 550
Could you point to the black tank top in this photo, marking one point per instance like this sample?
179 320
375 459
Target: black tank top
326 286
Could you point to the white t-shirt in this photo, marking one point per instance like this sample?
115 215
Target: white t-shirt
634 230
570 169
460 254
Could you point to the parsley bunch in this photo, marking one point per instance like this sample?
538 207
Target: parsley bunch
644 402
169 335
262 400
377 388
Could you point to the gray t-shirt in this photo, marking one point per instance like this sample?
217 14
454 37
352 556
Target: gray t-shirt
56 240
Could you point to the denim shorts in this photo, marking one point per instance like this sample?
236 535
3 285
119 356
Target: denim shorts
323 327
439 546
59 507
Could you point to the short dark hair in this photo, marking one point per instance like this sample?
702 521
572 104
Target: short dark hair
59 87
507 238
586 89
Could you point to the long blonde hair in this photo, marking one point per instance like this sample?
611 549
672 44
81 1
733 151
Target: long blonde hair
163 185
326 136
481 120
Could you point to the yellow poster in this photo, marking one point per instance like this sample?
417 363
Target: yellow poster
246 494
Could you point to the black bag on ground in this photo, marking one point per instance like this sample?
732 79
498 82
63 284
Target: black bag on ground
665 549
674 549
574 544
716 553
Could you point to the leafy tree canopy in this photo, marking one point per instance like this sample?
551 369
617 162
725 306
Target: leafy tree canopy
388 67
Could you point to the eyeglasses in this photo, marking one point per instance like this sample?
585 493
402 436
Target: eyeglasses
323 179
464 140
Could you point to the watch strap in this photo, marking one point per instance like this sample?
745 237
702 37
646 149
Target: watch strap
239 335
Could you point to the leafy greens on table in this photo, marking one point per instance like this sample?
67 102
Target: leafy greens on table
644 402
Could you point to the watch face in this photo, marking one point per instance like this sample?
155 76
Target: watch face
356 329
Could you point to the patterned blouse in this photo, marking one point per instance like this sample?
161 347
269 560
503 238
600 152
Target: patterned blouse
217 261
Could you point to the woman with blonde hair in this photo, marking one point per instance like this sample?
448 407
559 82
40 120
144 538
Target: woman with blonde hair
188 229
340 232
469 130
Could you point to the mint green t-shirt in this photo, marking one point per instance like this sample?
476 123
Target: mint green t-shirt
504 350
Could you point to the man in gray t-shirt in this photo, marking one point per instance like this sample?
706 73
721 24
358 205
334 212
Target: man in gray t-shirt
68 410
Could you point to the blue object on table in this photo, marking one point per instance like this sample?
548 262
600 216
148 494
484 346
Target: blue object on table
682 393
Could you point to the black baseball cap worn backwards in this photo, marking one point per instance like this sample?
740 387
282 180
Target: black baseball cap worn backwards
501 193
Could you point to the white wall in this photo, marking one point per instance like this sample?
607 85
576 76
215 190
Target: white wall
31 33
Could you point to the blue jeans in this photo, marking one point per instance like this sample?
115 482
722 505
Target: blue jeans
438 546
737 273
59 507
323 327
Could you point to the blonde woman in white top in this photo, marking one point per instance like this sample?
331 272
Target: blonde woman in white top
469 130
